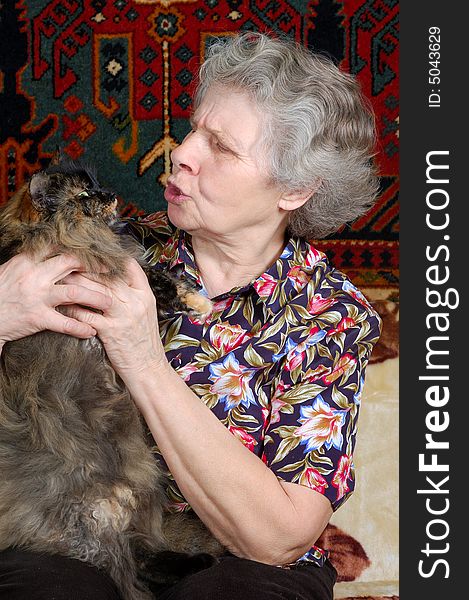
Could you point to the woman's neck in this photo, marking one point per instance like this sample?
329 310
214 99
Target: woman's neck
225 264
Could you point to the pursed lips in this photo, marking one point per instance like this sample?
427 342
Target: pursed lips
173 193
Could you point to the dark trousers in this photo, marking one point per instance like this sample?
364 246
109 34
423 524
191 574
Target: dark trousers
29 576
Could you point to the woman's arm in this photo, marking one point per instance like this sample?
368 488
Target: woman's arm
236 495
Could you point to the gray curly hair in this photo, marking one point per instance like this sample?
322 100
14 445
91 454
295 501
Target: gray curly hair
318 128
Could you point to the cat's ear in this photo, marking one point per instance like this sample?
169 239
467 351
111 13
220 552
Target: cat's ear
56 156
38 189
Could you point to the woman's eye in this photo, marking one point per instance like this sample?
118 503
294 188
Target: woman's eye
221 147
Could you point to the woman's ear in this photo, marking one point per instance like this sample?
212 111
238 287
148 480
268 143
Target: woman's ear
296 199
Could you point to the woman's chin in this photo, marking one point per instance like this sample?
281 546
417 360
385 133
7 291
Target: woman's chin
178 215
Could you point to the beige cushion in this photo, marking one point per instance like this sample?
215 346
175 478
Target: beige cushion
363 536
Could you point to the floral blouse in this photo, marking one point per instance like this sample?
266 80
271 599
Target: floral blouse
280 361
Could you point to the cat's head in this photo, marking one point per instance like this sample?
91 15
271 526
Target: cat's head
71 188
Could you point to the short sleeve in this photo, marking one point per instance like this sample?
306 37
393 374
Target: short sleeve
311 433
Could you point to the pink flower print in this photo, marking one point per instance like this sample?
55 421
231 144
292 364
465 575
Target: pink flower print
313 479
169 250
156 219
197 320
341 475
317 373
295 357
318 304
295 352
186 370
313 257
315 334
178 507
345 364
243 436
298 277
277 403
231 382
227 337
321 425
344 324
222 304
265 285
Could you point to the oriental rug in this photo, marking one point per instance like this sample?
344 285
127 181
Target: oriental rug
110 81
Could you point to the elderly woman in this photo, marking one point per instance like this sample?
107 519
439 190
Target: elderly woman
254 411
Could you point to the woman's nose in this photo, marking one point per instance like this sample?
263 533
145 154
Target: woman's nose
185 156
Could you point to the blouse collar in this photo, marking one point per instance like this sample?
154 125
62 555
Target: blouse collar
276 287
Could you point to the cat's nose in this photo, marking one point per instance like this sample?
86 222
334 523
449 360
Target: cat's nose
110 197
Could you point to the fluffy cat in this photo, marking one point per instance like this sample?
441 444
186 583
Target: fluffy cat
77 475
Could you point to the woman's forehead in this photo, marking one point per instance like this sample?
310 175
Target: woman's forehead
229 113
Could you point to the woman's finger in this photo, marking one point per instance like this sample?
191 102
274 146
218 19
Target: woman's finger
58 267
135 275
78 294
117 290
83 280
60 323
82 315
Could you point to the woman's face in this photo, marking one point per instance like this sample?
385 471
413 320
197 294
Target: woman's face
218 187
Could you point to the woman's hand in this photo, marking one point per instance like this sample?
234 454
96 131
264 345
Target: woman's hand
128 327
30 293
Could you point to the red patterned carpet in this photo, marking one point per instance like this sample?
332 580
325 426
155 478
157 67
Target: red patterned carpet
111 80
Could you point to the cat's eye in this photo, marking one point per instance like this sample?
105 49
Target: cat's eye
83 194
